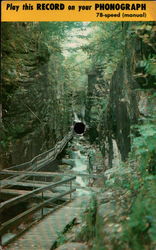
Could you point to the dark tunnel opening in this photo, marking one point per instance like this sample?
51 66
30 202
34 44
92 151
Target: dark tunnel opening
79 128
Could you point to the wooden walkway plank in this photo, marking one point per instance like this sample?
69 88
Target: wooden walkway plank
43 235
14 221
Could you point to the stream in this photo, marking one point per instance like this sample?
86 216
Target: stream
77 158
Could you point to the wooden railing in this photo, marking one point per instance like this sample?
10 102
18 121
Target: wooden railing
26 197
45 158
39 161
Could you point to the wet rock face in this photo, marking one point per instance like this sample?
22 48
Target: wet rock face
32 118
122 110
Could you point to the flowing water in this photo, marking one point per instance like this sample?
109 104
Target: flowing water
80 158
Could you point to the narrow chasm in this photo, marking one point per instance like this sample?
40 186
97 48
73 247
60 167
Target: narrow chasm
78 136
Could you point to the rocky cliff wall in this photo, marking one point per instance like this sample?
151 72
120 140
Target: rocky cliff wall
34 113
127 92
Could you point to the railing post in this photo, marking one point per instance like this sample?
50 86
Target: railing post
0 241
70 190
42 207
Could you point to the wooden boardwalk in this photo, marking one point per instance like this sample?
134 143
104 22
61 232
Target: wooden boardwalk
25 183
43 235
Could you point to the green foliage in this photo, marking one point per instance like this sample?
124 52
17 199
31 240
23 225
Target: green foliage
89 218
35 98
144 146
149 64
61 238
140 230
105 47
